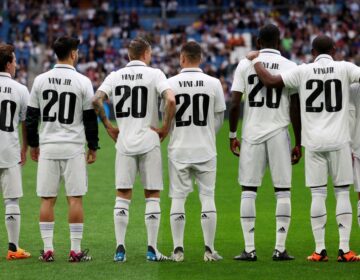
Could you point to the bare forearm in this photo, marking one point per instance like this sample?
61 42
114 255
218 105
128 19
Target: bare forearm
98 104
169 109
24 135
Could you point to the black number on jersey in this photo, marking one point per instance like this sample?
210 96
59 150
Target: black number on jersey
326 87
185 100
137 94
5 104
67 100
269 94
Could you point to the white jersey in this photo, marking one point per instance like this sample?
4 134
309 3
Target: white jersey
324 98
61 94
266 110
354 109
198 98
13 102
135 91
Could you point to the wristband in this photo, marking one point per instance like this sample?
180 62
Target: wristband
232 135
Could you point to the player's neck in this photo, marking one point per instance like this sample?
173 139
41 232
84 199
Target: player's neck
190 65
66 61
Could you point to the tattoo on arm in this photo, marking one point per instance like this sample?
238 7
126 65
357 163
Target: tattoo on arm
169 109
98 103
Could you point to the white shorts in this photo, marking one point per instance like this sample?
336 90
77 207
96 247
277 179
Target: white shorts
182 174
356 169
51 171
254 158
337 164
10 182
149 165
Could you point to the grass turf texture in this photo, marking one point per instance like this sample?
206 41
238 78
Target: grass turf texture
99 230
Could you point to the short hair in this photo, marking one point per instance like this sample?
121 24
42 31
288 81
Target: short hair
6 55
269 35
323 44
138 47
192 50
64 45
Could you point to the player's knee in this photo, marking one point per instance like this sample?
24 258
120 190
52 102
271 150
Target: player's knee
12 205
207 202
177 205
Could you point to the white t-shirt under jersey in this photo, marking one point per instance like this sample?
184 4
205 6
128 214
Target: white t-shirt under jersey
266 111
324 98
354 109
13 102
61 94
198 98
135 91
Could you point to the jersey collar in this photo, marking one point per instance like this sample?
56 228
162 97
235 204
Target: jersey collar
326 56
273 51
65 66
185 70
5 74
134 63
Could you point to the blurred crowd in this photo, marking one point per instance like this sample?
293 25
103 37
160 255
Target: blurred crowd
226 29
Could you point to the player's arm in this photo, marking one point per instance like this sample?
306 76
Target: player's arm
91 134
98 103
32 135
168 115
219 120
233 121
24 144
296 124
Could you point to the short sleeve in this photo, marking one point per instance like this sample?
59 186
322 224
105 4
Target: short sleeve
24 103
219 105
88 95
239 82
107 85
292 78
34 101
161 83
353 72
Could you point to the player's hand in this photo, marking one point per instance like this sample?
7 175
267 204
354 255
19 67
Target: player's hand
296 154
252 55
235 146
23 156
34 153
162 132
113 132
91 156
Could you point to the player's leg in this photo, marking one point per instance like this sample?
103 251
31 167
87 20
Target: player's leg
356 170
125 172
341 172
75 177
10 180
279 158
180 187
48 180
316 173
150 167
251 171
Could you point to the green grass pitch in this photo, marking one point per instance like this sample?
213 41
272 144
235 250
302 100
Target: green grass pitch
99 230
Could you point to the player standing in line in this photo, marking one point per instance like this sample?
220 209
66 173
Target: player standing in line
13 102
61 98
265 140
354 109
324 97
192 149
134 91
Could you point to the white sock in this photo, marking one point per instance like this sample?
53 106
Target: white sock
76 234
358 212
121 219
47 235
247 217
208 220
152 220
318 216
12 220
177 221
343 217
283 217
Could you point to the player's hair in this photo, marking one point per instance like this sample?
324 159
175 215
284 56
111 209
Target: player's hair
6 55
192 51
64 45
269 35
138 47
323 44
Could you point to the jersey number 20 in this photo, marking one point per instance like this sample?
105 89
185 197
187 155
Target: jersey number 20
185 100
67 100
7 125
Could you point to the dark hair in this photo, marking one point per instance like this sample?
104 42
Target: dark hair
192 51
64 45
269 35
323 44
6 55
137 47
